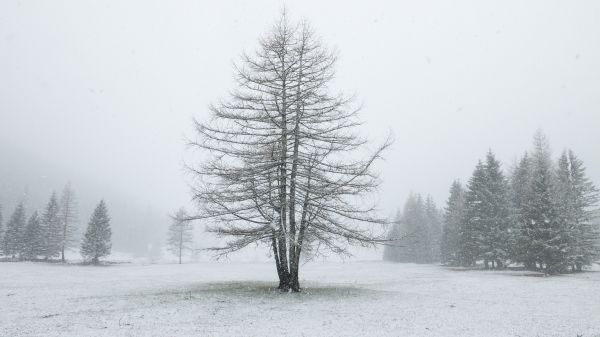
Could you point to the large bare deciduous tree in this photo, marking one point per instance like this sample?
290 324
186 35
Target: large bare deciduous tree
282 168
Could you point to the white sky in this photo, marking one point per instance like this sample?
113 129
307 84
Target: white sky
107 89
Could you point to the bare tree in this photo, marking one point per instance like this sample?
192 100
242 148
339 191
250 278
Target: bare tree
180 236
68 218
281 170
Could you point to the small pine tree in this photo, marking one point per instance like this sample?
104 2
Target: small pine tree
15 229
453 220
52 228
68 219
96 241
180 236
33 238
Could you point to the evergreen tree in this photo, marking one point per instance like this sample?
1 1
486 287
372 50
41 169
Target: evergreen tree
180 237
520 190
15 228
33 238
391 251
68 218
577 198
433 217
52 228
493 233
415 233
96 241
453 220
475 210
547 241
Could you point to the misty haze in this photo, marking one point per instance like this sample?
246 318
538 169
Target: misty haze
288 168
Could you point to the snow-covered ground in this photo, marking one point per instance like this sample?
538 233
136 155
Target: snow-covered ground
339 299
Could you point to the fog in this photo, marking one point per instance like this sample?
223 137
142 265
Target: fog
103 93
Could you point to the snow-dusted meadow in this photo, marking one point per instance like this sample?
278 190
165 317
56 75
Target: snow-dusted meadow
339 299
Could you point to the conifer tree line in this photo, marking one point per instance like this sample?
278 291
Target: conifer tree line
542 215
46 235
417 231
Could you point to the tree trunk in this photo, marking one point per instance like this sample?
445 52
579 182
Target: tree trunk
282 260
294 281
283 265
283 198
294 284
294 249
280 273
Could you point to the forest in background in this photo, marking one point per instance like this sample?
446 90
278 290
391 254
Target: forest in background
542 214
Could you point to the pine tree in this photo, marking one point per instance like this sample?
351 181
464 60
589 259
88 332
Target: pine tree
520 190
433 218
416 233
15 228
453 221
577 198
52 228
406 232
96 241
547 241
180 237
493 234
33 238
475 210
68 218
395 235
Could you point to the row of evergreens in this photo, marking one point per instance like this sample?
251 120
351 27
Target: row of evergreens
542 215
48 235
416 232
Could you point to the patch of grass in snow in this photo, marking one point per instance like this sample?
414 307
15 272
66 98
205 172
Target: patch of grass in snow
256 289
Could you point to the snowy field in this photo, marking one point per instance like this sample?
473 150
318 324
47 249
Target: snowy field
339 299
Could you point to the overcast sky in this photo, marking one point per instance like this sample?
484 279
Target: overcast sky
107 89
